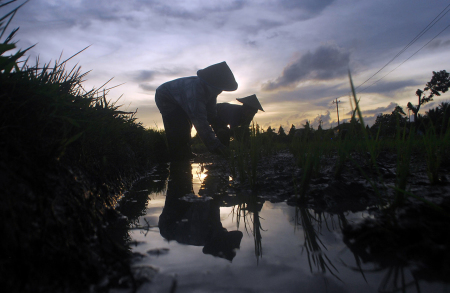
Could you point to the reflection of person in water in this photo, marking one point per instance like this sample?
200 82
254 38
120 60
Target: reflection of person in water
196 222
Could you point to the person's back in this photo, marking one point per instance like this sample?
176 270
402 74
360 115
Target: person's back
188 101
230 114
234 120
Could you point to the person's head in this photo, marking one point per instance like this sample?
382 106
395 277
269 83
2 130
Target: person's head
251 102
219 77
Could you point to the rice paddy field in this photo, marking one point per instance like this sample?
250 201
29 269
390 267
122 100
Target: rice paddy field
360 213
89 201
192 229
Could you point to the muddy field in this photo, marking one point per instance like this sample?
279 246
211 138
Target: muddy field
412 237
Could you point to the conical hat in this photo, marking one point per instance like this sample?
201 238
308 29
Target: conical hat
219 75
251 101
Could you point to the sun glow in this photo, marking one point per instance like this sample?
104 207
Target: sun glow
198 175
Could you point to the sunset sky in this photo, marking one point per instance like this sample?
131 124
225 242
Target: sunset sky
294 55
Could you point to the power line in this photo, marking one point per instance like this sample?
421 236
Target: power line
408 57
427 28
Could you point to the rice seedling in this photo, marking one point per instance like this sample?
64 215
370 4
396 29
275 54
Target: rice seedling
255 153
404 149
371 147
433 145
308 172
360 148
245 157
343 153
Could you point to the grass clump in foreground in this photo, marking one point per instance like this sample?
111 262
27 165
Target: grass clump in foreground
66 155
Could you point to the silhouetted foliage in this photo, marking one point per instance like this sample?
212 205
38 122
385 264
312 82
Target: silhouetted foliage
66 155
388 123
281 132
291 131
438 118
439 83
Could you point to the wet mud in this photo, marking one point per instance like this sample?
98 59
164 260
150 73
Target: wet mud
348 229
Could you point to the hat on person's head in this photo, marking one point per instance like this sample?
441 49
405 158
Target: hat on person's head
251 101
219 76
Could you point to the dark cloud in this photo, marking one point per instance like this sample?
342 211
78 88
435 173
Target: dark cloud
262 25
387 86
176 12
319 95
251 43
197 13
148 87
438 44
275 35
309 6
143 75
80 13
379 110
381 31
327 62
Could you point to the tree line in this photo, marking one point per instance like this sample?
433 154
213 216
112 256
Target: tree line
386 125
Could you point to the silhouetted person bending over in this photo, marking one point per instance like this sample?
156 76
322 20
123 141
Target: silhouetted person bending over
191 101
237 118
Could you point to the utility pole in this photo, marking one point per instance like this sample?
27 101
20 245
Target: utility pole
337 108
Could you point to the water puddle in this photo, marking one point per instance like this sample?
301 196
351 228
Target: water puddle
204 236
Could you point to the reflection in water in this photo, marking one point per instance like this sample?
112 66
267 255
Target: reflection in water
190 219
399 275
134 203
248 211
312 223
395 280
313 245
195 220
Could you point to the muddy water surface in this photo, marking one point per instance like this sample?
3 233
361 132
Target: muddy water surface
203 235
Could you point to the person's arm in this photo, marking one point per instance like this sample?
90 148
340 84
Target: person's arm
200 103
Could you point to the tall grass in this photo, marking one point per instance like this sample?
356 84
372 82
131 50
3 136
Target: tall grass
66 154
